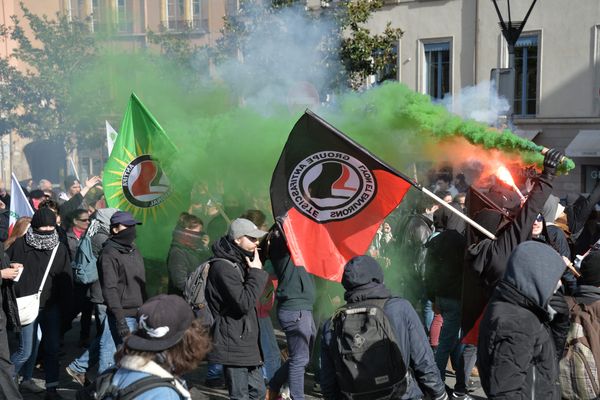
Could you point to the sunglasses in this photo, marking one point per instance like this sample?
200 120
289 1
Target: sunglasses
539 218
82 219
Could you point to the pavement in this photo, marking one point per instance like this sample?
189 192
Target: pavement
195 379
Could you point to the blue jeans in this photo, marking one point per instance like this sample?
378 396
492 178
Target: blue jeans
268 343
49 323
214 371
112 324
427 314
450 333
300 333
101 350
244 383
26 340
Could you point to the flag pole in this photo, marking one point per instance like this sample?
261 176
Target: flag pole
457 212
74 168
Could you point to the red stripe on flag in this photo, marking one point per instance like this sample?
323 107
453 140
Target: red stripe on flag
324 249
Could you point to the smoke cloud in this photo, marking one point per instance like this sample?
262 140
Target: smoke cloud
231 120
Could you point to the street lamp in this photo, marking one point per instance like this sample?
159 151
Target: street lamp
511 31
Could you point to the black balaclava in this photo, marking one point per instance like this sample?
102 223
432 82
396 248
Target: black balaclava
43 217
125 237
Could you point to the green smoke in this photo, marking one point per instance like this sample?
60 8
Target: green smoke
393 114
232 143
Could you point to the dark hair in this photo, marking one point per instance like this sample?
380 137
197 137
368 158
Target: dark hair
442 193
182 357
458 196
257 217
444 176
51 204
423 204
188 221
73 215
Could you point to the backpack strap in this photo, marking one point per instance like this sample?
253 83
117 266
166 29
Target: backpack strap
133 390
234 265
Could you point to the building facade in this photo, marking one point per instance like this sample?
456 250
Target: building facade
452 44
128 22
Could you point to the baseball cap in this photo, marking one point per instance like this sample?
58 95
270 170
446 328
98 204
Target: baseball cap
162 322
123 218
243 227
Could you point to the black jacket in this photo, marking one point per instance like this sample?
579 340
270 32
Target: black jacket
410 334
4 223
580 210
515 353
9 299
122 278
58 286
181 261
231 293
73 243
444 261
486 260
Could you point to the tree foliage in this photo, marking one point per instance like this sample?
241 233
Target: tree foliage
35 100
363 53
348 41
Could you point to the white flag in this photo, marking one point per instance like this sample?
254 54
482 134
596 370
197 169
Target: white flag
111 137
19 205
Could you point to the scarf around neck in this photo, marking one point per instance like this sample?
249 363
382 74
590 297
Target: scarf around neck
191 240
41 242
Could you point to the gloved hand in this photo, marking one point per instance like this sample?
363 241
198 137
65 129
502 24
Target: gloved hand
123 328
551 161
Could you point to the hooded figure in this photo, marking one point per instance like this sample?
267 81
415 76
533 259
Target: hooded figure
363 280
486 259
516 352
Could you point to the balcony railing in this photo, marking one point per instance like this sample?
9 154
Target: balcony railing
183 25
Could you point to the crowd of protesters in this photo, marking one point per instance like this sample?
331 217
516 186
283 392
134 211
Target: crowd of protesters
514 310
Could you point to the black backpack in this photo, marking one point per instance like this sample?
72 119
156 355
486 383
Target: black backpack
367 358
103 388
195 290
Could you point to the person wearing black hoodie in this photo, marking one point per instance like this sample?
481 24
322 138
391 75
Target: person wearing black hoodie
486 258
363 280
235 281
516 354
122 276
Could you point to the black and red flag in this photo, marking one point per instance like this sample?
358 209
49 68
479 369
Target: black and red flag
331 195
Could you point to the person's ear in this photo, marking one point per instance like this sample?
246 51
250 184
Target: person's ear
237 241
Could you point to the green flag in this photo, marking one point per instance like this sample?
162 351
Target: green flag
136 174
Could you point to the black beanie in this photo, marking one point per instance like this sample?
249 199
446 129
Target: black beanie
37 194
590 269
70 180
43 217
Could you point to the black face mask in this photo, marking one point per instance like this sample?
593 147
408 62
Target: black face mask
126 236
43 233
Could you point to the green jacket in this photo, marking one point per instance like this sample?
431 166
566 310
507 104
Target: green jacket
296 288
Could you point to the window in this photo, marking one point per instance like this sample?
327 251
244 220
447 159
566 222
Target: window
526 75
176 14
437 69
124 23
196 9
590 175
95 16
390 69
